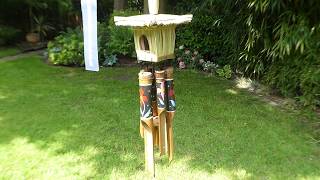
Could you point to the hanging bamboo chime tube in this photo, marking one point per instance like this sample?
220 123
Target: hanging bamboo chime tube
171 108
146 117
161 107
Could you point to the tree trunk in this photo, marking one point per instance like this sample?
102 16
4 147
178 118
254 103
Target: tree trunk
145 7
119 5
163 6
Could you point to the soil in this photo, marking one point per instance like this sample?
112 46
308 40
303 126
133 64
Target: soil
27 47
127 61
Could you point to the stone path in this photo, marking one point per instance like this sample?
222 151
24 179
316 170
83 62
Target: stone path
21 55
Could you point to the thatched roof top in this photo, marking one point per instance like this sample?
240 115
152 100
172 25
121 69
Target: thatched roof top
148 20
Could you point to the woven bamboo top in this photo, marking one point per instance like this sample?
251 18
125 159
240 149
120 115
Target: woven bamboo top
148 20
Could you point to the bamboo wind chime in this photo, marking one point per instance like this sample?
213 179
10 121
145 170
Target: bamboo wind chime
157 109
154 37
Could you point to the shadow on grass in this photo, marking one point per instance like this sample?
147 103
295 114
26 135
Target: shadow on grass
95 117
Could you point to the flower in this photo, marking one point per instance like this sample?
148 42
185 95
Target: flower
143 98
193 58
181 47
179 59
201 61
182 65
187 52
195 52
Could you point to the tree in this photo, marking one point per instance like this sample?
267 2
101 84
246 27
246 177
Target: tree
163 6
120 5
145 7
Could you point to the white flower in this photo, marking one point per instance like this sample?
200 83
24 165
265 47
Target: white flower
201 61
187 52
195 52
181 47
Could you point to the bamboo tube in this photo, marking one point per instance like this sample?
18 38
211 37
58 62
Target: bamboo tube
141 130
160 84
171 108
155 131
146 118
155 111
170 116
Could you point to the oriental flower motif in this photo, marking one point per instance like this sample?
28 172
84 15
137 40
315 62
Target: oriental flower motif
145 101
171 106
161 95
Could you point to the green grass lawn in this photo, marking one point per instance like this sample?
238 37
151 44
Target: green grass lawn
8 52
67 123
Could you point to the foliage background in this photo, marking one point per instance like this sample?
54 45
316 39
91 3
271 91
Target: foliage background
274 41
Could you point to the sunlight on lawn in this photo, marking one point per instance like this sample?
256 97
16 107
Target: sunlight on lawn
231 91
2 96
21 159
179 169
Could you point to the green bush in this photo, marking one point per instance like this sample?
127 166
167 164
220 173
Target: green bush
214 32
282 47
121 38
190 58
103 39
67 48
269 40
225 72
9 35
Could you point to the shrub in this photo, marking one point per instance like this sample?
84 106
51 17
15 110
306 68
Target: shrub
214 29
225 72
67 48
282 47
186 58
110 60
103 39
191 59
269 40
209 67
121 38
9 35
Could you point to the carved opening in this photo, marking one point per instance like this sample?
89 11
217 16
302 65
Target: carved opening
144 44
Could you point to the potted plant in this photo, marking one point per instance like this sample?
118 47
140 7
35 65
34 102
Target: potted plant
33 37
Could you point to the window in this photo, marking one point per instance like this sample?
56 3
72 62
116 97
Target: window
144 44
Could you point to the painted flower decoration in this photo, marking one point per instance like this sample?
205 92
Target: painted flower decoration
171 93
143 98
145 107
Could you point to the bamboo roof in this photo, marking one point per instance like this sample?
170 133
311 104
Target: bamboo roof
148 20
